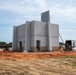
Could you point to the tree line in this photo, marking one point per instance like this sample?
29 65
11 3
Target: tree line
4 43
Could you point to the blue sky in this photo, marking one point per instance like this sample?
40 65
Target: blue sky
16 12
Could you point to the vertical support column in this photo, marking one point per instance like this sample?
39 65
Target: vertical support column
49 45
26 37
15 33
32 41
45 17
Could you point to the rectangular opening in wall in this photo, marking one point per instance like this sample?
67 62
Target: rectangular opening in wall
20 46
37 45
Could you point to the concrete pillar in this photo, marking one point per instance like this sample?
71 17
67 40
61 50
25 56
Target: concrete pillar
26 38
45 17
49 45
15 34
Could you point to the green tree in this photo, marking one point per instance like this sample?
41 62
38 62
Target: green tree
3 43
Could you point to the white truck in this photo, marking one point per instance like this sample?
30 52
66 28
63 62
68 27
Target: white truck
70 45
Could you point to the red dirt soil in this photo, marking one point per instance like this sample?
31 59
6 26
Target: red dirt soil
35 55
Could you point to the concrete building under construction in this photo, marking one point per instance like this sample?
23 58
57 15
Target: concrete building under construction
36 35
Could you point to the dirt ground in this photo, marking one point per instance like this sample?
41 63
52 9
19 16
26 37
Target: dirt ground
44 63
34 55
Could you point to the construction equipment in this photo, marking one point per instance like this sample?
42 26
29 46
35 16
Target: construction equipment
70 45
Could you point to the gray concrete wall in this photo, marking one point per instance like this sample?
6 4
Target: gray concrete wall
39 28
15 32
45 16
21 36
42 40
38 33
30 32
22 39
55 34
21 31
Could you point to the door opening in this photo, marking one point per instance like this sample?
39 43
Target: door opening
20 46
38 45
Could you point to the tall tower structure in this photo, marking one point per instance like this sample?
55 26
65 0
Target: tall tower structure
45 17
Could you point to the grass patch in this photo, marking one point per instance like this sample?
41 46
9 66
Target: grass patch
69 56
74 64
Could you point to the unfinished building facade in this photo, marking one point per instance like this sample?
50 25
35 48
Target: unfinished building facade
36 35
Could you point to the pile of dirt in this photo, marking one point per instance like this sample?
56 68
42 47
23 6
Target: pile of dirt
35 55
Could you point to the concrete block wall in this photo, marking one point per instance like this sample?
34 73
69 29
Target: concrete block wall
21 36
14 45
55 36
38 32
32 31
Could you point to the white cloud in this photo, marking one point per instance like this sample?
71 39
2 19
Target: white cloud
24 6
32 6
67 11
42 5
17 7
